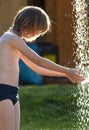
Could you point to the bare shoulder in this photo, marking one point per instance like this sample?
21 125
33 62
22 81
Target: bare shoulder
9 39
16 42
19 44
12 38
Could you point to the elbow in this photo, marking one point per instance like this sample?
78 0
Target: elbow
39 62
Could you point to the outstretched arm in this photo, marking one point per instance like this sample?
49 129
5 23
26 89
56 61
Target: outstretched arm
41 70
71 74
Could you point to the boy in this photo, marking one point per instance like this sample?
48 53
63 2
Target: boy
29 23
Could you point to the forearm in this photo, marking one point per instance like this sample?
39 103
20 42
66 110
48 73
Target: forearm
46 72
45 63
72 74
40 70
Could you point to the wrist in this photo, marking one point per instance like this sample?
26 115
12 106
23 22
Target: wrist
67 72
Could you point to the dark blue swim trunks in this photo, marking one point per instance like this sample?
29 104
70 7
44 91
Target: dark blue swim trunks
8 92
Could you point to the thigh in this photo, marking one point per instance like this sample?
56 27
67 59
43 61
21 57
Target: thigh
6 115
17 116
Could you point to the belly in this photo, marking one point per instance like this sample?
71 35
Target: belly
9 76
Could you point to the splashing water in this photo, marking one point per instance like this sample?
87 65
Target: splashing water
81 39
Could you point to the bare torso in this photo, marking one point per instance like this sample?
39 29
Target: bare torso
13 48
9 61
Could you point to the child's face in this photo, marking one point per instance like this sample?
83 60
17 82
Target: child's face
30 37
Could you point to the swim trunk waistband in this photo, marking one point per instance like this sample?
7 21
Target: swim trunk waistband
9 88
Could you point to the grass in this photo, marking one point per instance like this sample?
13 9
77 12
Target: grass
48 107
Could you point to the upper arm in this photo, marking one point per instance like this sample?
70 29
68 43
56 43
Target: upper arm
29 63
21 46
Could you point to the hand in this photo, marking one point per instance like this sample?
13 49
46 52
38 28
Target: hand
75 76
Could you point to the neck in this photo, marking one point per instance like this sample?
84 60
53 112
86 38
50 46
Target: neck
13 31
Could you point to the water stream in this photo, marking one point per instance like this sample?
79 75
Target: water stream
81 39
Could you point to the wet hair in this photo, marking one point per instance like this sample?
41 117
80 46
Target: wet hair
31 19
